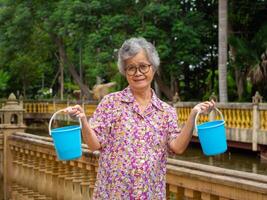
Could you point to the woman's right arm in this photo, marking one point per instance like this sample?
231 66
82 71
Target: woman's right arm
88 134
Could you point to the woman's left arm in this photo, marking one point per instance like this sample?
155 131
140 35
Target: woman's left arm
180 143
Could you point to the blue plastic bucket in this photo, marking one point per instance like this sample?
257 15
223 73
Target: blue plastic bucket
212 136
67 140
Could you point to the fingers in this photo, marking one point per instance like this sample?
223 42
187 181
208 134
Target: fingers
205 107
75 111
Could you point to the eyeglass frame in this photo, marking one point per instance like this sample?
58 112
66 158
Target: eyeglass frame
137 67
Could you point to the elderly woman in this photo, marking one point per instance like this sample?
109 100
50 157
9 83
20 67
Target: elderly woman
134 130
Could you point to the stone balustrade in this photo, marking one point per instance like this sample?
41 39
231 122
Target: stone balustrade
44 107
34 172
236 115
245 122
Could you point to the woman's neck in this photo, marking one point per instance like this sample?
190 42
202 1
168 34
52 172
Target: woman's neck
143 97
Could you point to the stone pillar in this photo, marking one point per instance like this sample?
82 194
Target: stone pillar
256 120
11 115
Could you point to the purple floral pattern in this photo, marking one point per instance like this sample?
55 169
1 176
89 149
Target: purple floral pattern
135 146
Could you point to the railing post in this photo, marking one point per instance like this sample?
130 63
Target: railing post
13 121
8 168
256 120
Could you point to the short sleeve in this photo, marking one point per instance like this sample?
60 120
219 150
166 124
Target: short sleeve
102 119
173 128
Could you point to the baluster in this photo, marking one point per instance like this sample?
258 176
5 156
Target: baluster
228 117
92 178
206 196
60 185
41 174
85 184
43 170
14 193
68 187
54 177
48 177
222 198
263 119
23 168
248 119
191 194
79 193
28 172
31 167
36 178
77 179
86 194
242 118
15 165
63 171
178 192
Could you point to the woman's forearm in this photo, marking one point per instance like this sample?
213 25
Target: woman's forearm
89 136
180 143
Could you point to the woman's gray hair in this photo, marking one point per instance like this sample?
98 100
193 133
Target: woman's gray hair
133 46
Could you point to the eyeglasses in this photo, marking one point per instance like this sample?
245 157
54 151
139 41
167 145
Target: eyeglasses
142 67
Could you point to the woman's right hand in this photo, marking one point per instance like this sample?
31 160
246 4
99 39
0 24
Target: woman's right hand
76 112
88 133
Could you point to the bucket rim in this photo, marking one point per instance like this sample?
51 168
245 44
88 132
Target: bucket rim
50 121
214 126
75 127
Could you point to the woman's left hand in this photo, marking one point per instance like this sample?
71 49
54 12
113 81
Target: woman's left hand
204 107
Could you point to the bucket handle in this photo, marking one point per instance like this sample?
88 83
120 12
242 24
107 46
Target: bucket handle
53 116
199 112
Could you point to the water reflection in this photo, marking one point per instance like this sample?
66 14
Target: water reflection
236 159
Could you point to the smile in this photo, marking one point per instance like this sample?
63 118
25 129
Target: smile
139 80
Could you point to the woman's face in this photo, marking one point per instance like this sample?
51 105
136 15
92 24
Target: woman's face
139 71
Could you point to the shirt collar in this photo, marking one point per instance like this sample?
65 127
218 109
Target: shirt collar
127 96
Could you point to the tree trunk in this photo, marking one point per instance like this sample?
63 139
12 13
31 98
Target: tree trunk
163 88
240 76
85 89
239 80
223 51
61 66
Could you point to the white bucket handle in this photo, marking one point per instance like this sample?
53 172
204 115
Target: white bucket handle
199 112
51 119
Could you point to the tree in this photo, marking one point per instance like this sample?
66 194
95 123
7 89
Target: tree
247 41
50 33
223 96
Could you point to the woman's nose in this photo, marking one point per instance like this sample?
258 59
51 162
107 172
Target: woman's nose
138 73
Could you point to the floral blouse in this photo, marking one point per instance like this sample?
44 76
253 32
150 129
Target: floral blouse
134 147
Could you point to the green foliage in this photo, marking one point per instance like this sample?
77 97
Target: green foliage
248 42
44 93
184 32
69 86
4 77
